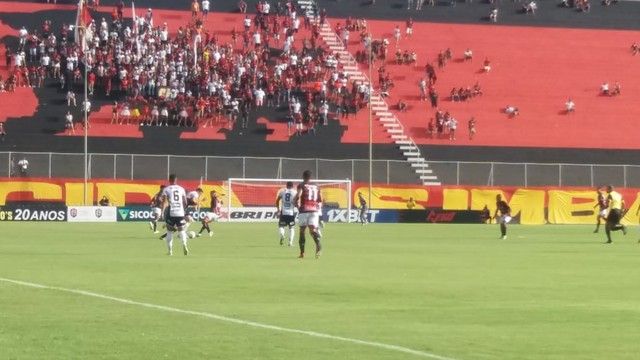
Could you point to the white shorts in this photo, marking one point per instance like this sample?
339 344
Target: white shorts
504 219
156 212
308 219
409 31
604 212
210 216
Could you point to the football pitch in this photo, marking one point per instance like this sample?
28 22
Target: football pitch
108 291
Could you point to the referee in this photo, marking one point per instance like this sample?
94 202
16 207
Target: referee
616 212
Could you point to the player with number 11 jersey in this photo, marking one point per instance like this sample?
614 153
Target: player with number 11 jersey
309 199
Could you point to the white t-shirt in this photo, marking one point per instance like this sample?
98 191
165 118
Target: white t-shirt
287 204
24 164
176 196
205 5
193 196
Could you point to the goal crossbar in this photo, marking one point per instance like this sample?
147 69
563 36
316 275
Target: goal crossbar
280 182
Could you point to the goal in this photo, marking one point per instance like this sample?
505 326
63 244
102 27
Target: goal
254 200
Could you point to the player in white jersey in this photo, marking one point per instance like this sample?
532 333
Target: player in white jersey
286 205
175 203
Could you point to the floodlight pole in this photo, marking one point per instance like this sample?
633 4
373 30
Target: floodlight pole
370 119
85 191
86 131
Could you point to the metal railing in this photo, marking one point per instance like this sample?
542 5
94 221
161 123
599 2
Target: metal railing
215 168
211 168
535 174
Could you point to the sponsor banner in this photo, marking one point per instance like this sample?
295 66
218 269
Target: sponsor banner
441 216
254 214
353 215
91 214
134 213
33 212
405 216
145 213
530 205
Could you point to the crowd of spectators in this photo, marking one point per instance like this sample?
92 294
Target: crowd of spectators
189 76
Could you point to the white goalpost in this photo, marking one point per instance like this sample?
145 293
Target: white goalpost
254 200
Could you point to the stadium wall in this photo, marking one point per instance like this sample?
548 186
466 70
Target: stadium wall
390 203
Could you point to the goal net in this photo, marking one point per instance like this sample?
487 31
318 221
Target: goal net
253 200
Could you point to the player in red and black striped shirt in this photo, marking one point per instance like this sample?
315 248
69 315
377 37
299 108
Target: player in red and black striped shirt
308 201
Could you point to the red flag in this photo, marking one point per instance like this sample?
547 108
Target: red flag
83 19
86 15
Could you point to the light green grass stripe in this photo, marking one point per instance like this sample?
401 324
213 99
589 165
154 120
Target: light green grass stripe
232 320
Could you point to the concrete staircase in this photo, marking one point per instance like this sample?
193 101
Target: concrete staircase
379 106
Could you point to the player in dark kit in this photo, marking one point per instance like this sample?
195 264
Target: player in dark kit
308 200
602 206
505 215
211 216
156 210
616 212
485 215
363 209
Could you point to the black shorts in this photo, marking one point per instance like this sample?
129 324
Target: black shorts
614 217
287 220
175 223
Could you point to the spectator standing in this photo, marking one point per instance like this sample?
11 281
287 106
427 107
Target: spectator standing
472 128
195 8
23 167
324 112
71 98
205 8
86 105
68 124
570 106
453 125
3 133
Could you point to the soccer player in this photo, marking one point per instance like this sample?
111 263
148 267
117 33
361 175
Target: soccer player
307 199
602 206
615 213
174 204
363 209
505 215
156 210
193 203
285 203
485 215
211 216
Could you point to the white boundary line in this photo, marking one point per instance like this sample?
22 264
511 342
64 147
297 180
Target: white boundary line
231 320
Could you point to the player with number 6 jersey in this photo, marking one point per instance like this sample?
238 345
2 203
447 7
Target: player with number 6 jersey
175 202
308 199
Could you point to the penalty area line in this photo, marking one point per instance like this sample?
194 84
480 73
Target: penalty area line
222 318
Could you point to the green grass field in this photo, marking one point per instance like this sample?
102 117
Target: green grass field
456 291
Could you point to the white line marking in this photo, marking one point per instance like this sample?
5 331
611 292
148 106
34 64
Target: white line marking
232 320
